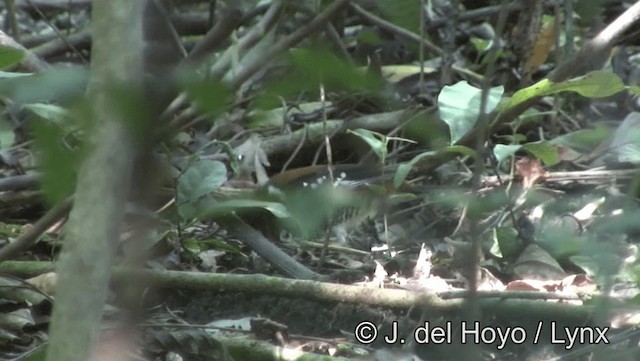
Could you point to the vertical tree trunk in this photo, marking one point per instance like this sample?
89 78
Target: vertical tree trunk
104 180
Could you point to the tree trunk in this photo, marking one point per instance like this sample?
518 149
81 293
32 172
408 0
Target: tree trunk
104 180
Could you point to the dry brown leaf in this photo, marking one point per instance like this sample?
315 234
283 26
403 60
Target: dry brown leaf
45 282
540 52
530 171
524 285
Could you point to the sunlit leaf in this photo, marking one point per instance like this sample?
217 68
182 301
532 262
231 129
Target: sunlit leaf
596 84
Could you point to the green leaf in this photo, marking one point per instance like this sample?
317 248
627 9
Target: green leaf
515 138
543 150
10 57
11 75
375 140
398 198
625 143
49 112
459 106
57 85
191 245
536 90
502 151
508 241
229 150
479 44
403 169
189 211
458 149
634 89
584 140
200 179
596 84
58 161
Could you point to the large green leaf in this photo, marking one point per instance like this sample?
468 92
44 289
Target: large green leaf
625 143
596 84
584 140
543 150
374 140
57 85
504 151
200 179
507 241
459 106
57 160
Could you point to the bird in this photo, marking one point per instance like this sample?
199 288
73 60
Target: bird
336 199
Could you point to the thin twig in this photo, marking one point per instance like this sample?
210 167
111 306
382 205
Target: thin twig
33 234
